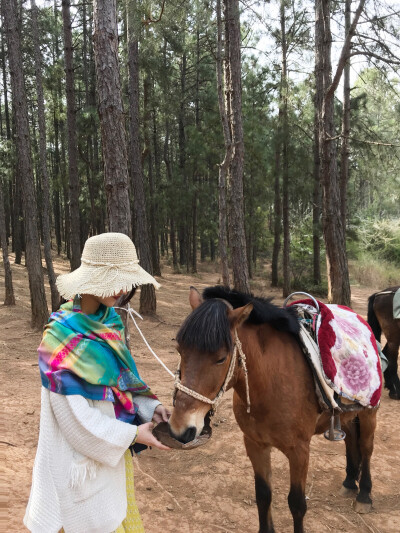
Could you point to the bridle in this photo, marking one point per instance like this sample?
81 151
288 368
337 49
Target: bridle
241 358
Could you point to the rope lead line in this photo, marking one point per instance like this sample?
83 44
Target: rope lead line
177 382
130 311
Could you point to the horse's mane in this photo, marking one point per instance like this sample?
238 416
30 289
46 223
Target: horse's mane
207 327
264 312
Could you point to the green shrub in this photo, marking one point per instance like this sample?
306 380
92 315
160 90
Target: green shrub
381 238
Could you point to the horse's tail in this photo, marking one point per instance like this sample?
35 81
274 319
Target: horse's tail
372 319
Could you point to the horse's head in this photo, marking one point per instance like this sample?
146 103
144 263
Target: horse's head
205 344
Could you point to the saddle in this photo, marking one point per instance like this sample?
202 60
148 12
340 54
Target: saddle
342 353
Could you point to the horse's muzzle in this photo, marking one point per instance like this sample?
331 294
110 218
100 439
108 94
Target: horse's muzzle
188 435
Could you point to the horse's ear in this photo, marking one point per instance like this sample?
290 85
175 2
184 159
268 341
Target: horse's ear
195 298
239 315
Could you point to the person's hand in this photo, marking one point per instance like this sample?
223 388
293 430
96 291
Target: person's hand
161 414
145 436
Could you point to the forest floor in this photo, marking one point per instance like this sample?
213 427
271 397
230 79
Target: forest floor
208 489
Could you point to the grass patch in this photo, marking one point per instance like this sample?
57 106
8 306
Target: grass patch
372 272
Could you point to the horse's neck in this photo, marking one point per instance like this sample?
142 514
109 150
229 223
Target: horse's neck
273 359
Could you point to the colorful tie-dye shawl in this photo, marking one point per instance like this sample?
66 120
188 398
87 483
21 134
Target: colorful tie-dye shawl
86 355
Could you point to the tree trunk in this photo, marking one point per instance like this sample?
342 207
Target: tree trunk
18 238
182 234
224 166
196 177
172 238
277 214
233 91
112 117
334 235
33 256
57 179
285 156
9 298
345 150
55 297
153 242
75 244
156 202
237 238
316 213
318 97
5 84
169 180
148 304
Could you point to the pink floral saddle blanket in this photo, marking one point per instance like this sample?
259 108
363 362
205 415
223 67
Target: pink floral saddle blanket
349 355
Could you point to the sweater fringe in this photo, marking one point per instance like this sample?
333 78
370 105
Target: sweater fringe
79 471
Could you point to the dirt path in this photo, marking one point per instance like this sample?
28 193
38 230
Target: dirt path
209 489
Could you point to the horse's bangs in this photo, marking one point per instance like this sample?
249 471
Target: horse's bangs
206 328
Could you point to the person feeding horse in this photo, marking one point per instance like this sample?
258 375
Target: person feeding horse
94 404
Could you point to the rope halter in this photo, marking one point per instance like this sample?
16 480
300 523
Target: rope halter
214 403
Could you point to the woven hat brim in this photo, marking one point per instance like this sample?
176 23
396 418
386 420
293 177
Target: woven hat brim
102 281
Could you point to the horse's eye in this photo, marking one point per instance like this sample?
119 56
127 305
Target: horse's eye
220 361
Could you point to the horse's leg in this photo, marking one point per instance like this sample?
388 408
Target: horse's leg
298 460
366 442
392 381
353 458
260 458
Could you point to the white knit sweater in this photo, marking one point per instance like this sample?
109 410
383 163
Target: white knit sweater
78 480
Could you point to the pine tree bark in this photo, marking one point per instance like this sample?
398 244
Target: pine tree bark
112 117
18 237
195 175
316 212
237 235
345 149
148 303
55 297
148 153
5 84
57 179
224 166
277 215
334 234
167 162
318 97
156 202
285 155
9 298
75 226
22 134
16 216
182 227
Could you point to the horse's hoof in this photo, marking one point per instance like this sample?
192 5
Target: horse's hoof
347 493
362 508
394 395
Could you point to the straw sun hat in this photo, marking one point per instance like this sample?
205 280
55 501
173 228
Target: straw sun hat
109 264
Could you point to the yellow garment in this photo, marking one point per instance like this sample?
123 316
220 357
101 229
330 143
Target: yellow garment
132 522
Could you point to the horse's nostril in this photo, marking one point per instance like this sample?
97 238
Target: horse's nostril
188 436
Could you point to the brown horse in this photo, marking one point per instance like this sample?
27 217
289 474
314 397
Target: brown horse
284 410
380 318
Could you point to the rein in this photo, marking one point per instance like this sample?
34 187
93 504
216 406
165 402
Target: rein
214 403
177 383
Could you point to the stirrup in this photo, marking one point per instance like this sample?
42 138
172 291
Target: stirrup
335 432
